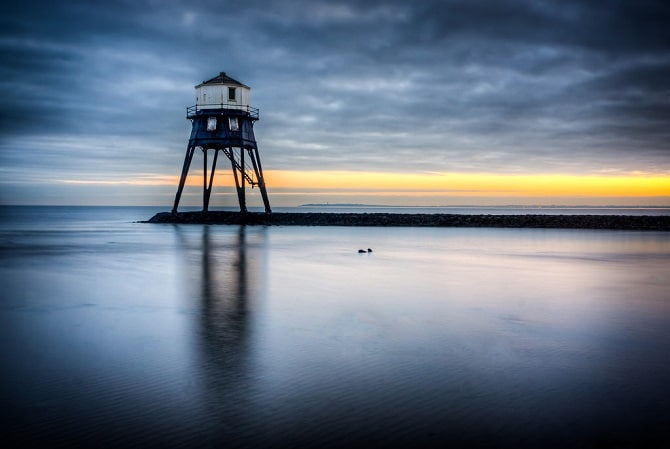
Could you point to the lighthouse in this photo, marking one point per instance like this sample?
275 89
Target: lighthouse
223 122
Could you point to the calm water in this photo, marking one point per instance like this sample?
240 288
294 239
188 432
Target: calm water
122 333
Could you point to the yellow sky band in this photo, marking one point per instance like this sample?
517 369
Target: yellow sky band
528 185
463 184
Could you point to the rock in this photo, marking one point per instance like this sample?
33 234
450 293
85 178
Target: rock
621 222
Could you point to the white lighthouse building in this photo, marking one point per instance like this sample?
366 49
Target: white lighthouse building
223 121
222 92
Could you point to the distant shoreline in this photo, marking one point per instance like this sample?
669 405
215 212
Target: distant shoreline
474 206
614 222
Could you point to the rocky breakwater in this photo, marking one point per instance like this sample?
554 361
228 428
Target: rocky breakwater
620 222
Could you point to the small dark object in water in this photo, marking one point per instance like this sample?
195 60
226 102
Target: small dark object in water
362 251
369 250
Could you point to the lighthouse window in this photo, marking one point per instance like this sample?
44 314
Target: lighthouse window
211 124
232 122
231 94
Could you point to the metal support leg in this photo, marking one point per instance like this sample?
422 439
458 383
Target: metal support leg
204 179
242 178
239 181
208 189
184 173
256 162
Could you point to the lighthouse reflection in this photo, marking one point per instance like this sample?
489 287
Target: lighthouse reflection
224 290
228 268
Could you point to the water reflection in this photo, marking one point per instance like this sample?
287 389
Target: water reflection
226 274
198 336
224 291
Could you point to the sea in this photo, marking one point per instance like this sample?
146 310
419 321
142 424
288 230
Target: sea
119 333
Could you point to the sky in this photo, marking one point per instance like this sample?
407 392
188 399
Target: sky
380 102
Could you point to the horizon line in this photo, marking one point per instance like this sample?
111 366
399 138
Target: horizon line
362 205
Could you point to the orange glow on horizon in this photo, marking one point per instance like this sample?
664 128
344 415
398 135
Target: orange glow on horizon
465 184
416 185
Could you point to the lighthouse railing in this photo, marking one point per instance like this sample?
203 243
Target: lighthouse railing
192 111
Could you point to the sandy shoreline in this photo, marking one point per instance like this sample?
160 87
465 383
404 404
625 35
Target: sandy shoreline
618 222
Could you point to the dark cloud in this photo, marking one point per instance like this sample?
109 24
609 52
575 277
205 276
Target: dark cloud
489 86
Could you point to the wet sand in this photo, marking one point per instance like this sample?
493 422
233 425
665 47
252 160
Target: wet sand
616 222
125 334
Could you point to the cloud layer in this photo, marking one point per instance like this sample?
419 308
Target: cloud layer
99 89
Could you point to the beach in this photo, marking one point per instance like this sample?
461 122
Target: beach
122 333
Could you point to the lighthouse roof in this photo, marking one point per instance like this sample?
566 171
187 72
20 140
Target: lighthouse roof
222 78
